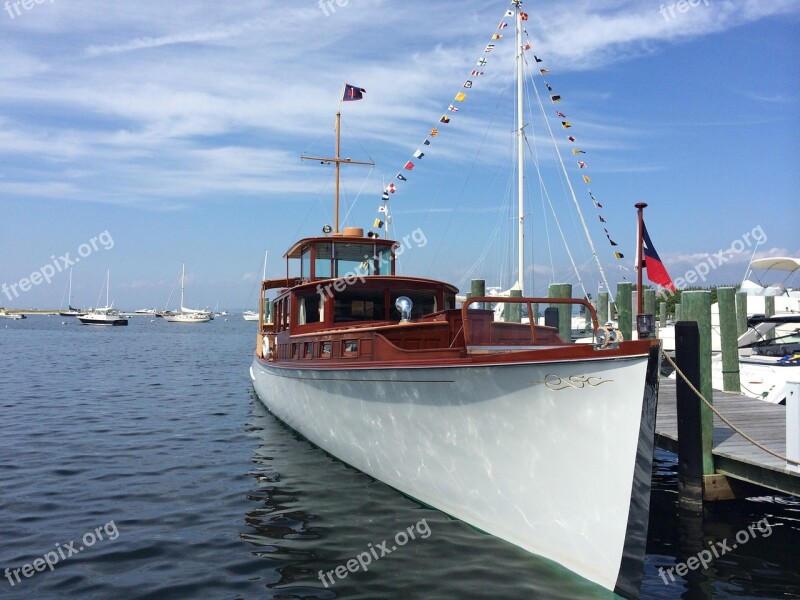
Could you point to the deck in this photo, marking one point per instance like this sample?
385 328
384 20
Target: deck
734 456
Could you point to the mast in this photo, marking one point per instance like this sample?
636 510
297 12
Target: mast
640 206
108 279
69 300
183 274
337 161
520 160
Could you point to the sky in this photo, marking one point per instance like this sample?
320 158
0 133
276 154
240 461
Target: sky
141 136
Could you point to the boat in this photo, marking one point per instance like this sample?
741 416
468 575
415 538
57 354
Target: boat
145 311
70 312
250 315
14 316
492 422
186 315
105 315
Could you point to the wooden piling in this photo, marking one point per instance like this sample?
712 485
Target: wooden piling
741 313
726 302
662 314
696 306
678 312
769 311
602 307
513 312
478 288
690 437
649 301
624 307
562 290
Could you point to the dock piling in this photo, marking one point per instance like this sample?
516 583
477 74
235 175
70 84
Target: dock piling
726 301
562 290
690 449
624 309
602 307
478 289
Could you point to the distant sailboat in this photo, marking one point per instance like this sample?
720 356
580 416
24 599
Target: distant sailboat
251 315
70 312
105 315
187 315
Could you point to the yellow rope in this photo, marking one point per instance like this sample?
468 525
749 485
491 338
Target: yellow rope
723 419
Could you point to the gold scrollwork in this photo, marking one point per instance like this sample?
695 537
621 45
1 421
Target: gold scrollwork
576 382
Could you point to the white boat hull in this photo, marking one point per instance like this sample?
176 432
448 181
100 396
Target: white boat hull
519 451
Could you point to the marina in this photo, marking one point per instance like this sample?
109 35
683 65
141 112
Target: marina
469 373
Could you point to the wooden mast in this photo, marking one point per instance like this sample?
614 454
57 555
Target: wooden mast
337 161
640 206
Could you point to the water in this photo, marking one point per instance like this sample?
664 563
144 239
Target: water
150 437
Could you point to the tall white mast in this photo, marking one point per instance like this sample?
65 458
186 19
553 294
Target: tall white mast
520 160
183 274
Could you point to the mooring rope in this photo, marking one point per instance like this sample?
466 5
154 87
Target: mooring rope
723 419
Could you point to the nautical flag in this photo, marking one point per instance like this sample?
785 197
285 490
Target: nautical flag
426 143
656 271
602 220
481 62
476 73
619 255
460 96
581 164
381 209
444 119
613 243
408 166
497 36
384 197
401 177
434 132
523 16
543 71
502 25
586 179
560 114
377 224
489 48
576 151
566 124
352 92
452 108
537 58
527 46
509 13
549 89
596 203
571 138
419 154
391 187
555 98
468 84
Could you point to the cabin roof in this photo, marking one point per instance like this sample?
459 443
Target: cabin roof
296 250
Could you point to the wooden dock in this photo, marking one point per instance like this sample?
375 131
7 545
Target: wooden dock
734 457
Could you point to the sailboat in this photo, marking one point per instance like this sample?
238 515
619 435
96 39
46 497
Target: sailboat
187 315
505 425
251 315
70 312
106 315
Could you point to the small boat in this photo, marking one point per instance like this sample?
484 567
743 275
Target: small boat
105 315
145 311
492 422
70 312
187 315
250 315
14 316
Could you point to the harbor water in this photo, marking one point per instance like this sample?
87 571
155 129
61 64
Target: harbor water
136 462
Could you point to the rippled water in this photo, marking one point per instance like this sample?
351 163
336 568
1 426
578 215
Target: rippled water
151 435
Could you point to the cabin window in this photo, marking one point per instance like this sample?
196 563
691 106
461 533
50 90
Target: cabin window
322 264
295 350
350 347
359 305
309 309
353 259
305 263
309 350
449 301
382 263
325 349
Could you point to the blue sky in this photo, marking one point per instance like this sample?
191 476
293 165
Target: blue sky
177 129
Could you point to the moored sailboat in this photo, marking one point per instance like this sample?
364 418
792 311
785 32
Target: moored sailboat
492 422
187 315
70 312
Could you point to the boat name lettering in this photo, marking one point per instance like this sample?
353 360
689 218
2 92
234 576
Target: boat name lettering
558 383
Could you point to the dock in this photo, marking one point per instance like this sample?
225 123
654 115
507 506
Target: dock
740 465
